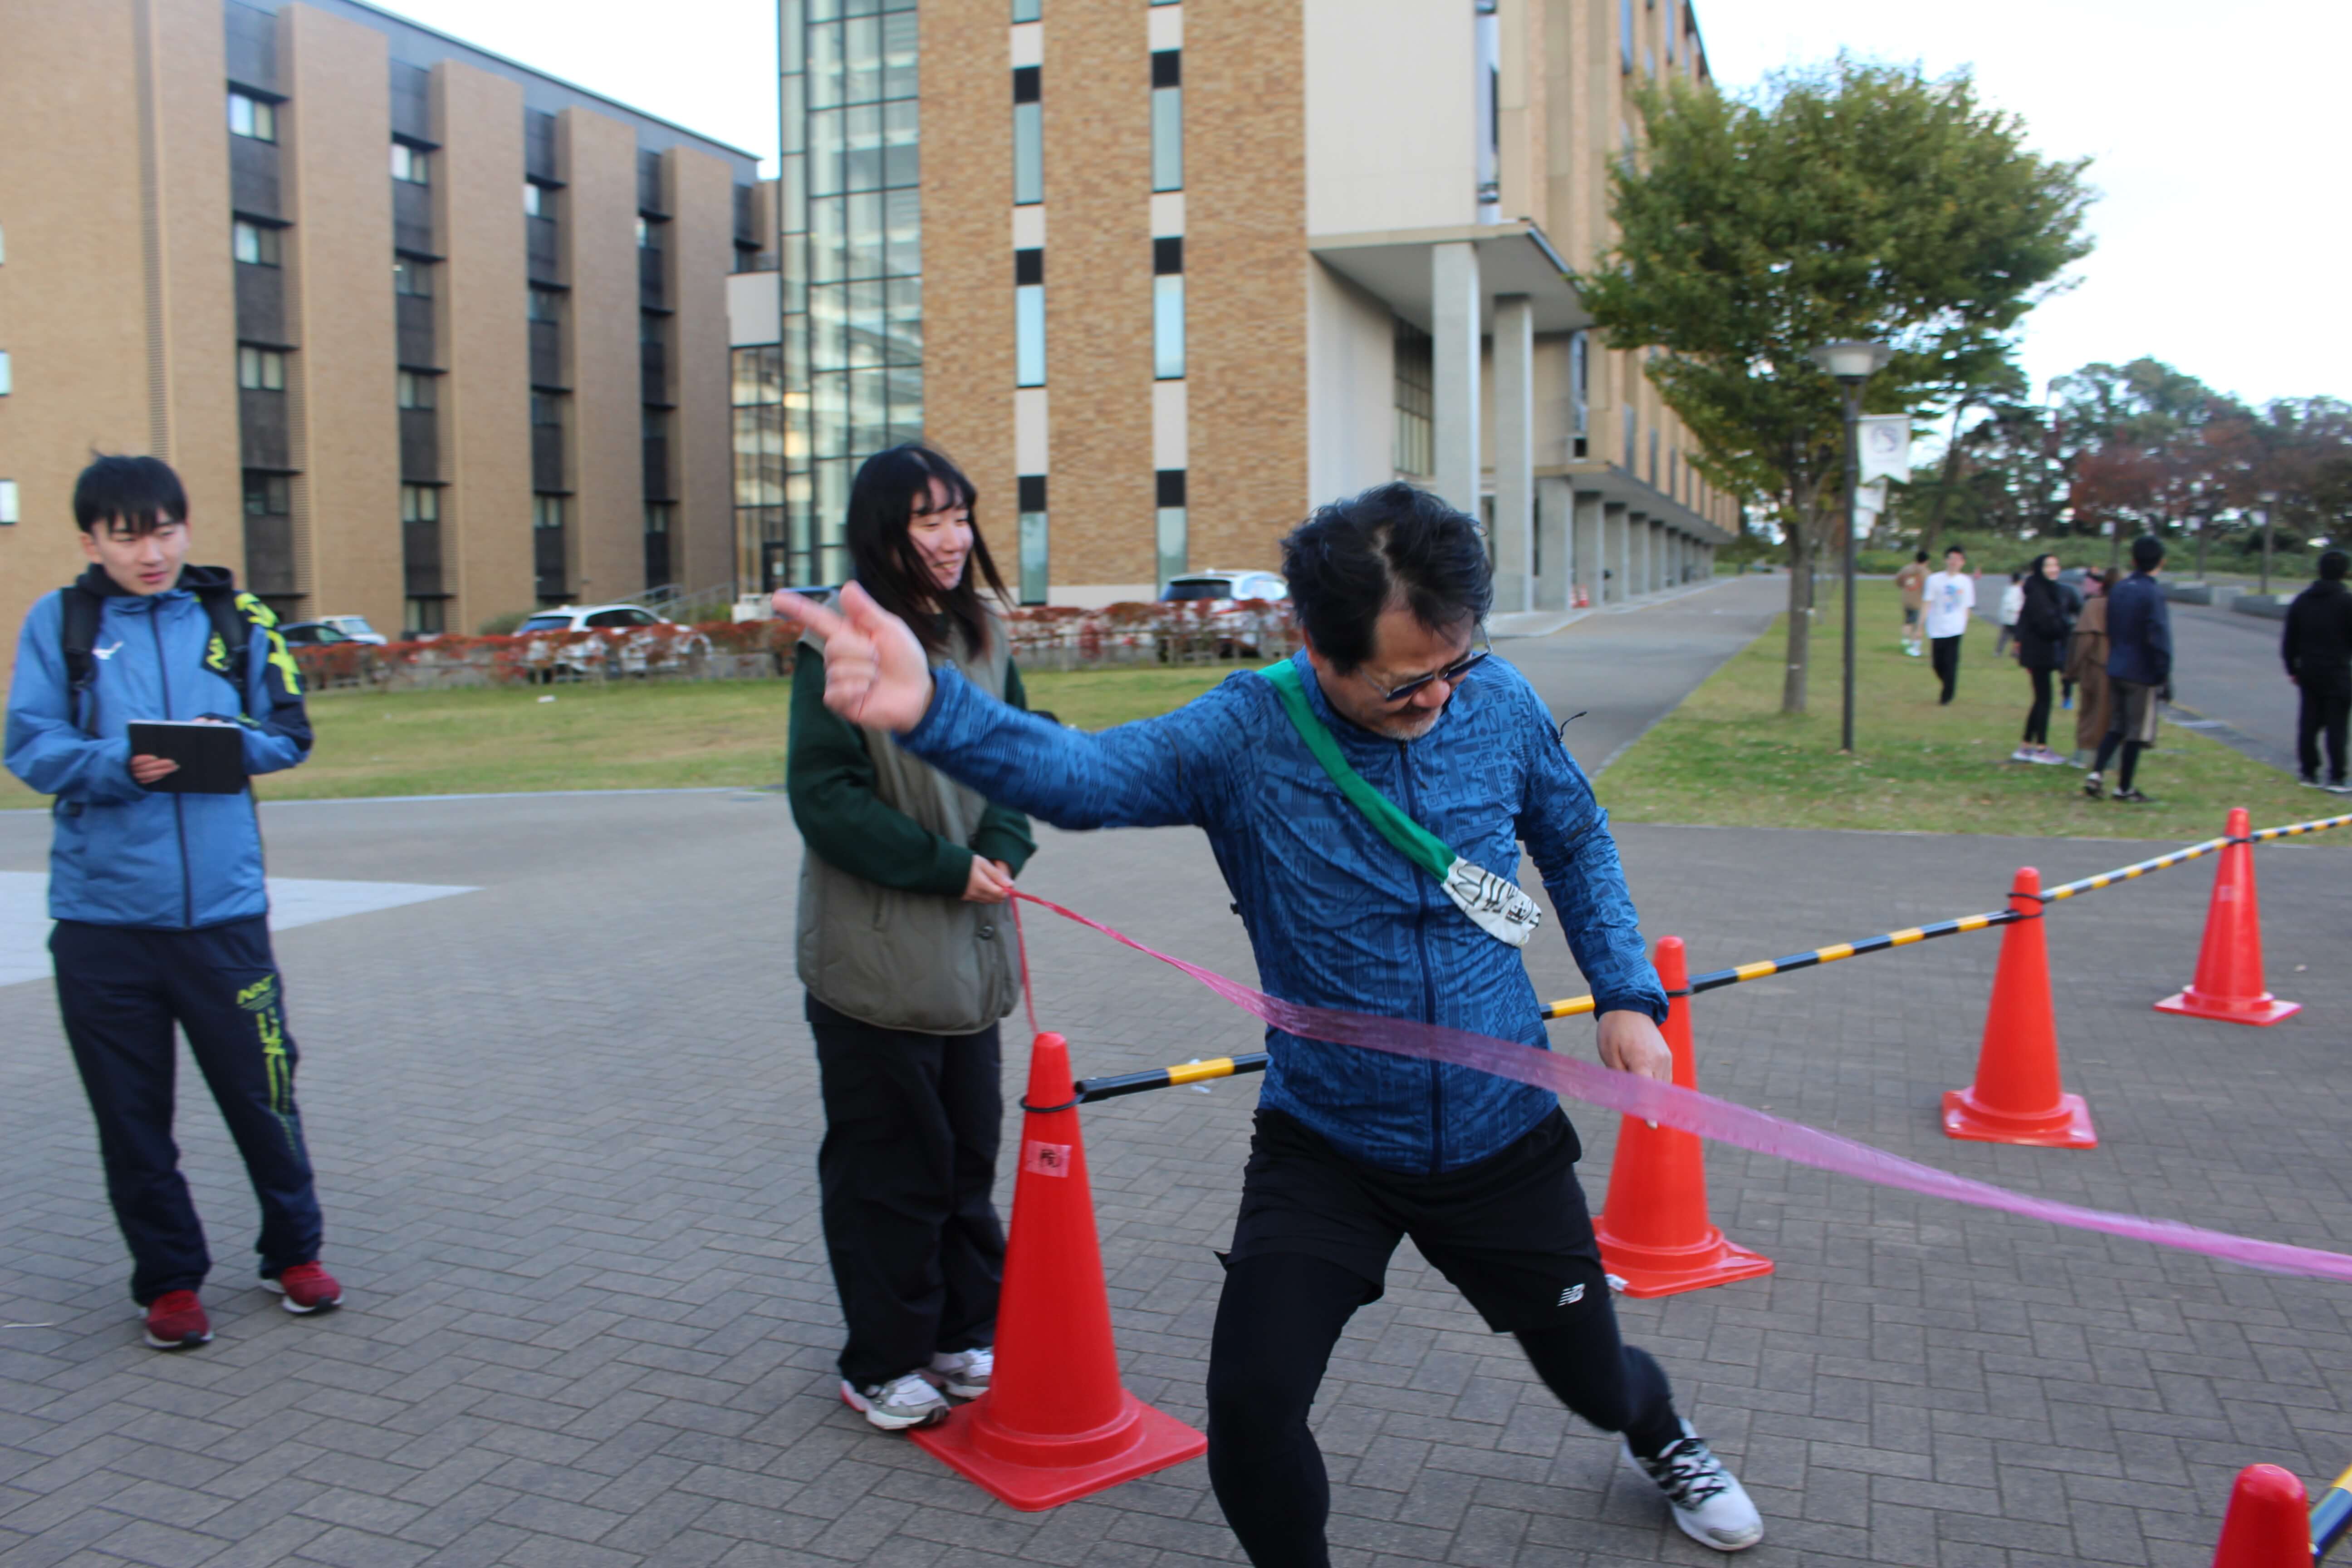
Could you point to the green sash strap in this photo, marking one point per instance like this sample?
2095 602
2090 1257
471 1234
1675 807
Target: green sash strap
1501 908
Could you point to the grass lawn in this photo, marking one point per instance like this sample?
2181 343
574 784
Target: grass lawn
1727 756
619 736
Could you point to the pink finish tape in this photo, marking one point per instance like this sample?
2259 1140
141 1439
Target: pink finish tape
1719 1119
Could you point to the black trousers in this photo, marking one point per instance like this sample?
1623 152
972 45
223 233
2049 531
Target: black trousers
2327 710
911 1128
1312 1242
121 990
1944 653
2037 717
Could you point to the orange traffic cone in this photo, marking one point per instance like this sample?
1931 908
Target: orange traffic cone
2229 984
2016 1098
1654 1231
1055 1424
2266 1526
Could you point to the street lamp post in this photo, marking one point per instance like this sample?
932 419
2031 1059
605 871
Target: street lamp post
1852 364
2269 507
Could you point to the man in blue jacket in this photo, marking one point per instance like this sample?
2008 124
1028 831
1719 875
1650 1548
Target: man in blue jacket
1354 1149
158 897
2139 669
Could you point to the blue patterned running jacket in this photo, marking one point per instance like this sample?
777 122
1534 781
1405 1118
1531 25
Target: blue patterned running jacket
1337 916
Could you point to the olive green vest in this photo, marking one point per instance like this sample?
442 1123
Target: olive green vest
928 963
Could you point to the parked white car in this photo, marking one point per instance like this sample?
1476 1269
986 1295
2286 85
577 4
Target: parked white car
555 652
1266 585
356 629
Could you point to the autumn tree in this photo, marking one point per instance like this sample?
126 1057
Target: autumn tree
1852 200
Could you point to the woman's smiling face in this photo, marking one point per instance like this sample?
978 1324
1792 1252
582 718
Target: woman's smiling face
941 528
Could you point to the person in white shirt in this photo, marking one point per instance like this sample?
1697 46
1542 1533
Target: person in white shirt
1951 599
2012 605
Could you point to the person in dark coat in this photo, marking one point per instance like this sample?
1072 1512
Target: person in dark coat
2318 647
2140 668
2041 628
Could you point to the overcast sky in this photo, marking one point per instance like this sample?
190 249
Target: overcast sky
2216 134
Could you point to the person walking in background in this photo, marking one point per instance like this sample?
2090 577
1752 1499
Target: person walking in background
162 912
909 959
2042 650
1912 583
2087 666
2070 600
2140 668
2012 605
2318 646
1951 599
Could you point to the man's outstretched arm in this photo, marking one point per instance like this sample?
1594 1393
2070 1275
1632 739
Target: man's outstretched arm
1153 774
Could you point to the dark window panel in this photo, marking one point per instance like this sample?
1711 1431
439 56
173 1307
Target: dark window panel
411 217
1168 485
538 145
261 304
547 457
251 35
416 338
547 355
253 177
653 368
420 447
1032 492
1028 267
412 102
420 557
1167 255
651 295
657 486
549 561
1167 67
262 429
544 256
1029 83
649 183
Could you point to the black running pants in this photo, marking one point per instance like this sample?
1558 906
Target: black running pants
1945 654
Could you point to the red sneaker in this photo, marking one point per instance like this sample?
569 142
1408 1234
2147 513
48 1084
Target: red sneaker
176 1322
308 1287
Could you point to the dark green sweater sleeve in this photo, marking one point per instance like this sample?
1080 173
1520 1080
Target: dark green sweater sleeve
1003 832
829 778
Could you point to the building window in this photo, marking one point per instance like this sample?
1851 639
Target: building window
254 117
1169 524
1028 318
6 375
546 512
538 201
1579 384
268 495
255 244
1027 10
7 503
413 164
1669 30
1625 36
412 276
420 504
428 617
416 390
1167 119
260 370
1028 136
1167 327
546 305
1031 501
1415 401
545 411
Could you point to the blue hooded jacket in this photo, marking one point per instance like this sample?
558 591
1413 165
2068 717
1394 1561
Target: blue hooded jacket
2139 632
122 854
1337 917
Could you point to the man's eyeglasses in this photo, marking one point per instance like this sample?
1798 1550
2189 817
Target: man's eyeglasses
1452 674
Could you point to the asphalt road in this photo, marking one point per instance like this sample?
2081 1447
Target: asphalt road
1623 671
2226 667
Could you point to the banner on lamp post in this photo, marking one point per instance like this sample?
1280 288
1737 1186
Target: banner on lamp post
1885 442
1869 501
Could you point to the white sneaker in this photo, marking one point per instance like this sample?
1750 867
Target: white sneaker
1706 1500
964 1373
2023 755
895 1405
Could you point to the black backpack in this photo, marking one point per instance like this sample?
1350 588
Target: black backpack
233 623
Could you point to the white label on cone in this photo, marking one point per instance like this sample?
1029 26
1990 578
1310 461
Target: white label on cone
1045 1159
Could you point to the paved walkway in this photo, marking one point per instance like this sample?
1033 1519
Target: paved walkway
566 1127
2227 669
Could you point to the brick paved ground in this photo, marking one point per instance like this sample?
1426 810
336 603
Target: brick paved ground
566 1126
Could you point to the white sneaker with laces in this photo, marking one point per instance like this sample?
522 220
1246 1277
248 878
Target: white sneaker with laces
1707 1501
964 1373
903 1402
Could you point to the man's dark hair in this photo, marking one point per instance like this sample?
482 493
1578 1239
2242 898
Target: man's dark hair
133 496
1919 555
890 487
2332 566
1955 550
2147 553
1393 544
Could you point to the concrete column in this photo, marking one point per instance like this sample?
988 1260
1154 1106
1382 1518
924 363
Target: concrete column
1453 372
1515 452
1556 554
1586 526
1638 555
1617 550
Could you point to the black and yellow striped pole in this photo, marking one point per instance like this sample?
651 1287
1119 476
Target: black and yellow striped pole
2331 1517
1112 1087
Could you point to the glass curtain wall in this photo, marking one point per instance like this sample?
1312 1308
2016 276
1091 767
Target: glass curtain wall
852 370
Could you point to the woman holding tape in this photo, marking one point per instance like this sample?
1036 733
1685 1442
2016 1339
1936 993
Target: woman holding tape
908 960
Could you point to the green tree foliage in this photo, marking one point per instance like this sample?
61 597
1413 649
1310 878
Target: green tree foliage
1853 200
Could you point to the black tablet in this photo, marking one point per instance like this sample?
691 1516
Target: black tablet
211 756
